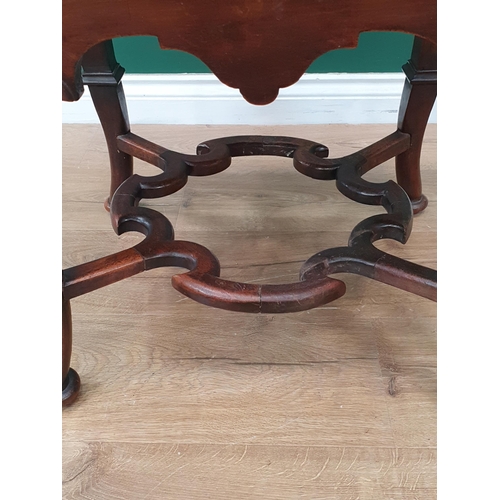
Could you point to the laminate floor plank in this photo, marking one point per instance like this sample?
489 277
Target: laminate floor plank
108 470
181 401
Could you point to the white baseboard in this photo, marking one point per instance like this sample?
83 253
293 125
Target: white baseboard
189 99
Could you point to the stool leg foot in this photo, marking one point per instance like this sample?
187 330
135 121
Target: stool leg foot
420 204
70 387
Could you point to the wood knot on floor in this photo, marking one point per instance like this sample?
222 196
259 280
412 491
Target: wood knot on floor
392 386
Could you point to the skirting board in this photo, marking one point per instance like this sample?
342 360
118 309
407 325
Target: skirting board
191 99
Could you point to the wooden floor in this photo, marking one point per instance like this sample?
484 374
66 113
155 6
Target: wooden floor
181 401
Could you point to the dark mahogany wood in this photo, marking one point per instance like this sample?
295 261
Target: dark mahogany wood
362 258
419 95
202 283
103 76
253 45
70 379
258 47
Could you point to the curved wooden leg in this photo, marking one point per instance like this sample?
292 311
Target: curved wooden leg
418 97
103 76
70 379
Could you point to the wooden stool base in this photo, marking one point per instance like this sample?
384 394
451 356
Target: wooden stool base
202 280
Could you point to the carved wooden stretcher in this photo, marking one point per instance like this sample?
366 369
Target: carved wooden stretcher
257 47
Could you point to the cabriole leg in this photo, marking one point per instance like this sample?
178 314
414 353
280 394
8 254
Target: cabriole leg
418 97
103 76
70 379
